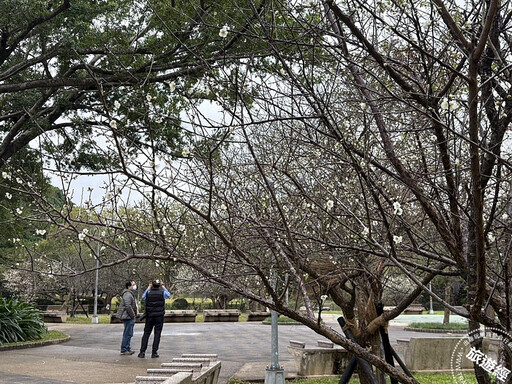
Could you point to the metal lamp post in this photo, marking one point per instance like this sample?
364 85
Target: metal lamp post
275 373
95 313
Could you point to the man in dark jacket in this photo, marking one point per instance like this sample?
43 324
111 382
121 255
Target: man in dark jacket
128 313
155 297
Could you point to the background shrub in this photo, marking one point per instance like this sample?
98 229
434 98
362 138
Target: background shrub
180 304
19 321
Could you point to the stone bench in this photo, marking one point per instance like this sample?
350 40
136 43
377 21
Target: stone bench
323 360
414 309
180 316
184 372
257 315
55 314
217 315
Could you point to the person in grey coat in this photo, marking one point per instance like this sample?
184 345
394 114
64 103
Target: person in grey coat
128 314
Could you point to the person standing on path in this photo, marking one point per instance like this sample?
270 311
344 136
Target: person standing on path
128 313
154 296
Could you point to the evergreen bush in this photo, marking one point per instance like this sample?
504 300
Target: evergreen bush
19 321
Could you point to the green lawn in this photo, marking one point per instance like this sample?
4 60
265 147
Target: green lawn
281 320
48 336
451 326
83 319
423 378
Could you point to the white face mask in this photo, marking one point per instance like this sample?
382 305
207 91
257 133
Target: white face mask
134 287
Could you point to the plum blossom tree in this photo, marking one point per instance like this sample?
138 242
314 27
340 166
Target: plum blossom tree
359 141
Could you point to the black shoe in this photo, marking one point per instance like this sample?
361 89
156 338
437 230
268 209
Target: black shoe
141 355
154 355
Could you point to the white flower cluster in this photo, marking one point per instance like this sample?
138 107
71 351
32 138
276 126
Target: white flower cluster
397 208
224 31
448 104
83 234
397 239
41 232
6 176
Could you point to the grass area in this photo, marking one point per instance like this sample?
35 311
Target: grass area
423 378
451 326
83 319
47 336
281 320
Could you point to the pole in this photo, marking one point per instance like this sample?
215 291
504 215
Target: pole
95 313
275 373
274 362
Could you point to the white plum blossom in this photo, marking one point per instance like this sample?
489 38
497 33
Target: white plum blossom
41 232
397 208
491 237
102 248
445 104
113 124
19 181
8 196
19 211
81 236
224 31
149 98
366 231
172 86
117 104
323 298
329 205
397 239
185 152
85 230
103 233
6 176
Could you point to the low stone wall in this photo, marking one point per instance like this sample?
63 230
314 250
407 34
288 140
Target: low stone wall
320 360
188 369
434 353
218 315
180 316
55 316
257 315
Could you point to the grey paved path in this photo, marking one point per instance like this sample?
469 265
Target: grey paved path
92 355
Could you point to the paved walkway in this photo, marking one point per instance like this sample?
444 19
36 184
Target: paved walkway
92 355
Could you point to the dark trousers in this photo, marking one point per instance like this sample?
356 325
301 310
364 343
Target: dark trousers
152 322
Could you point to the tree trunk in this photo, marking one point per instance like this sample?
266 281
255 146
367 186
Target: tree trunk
448 299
